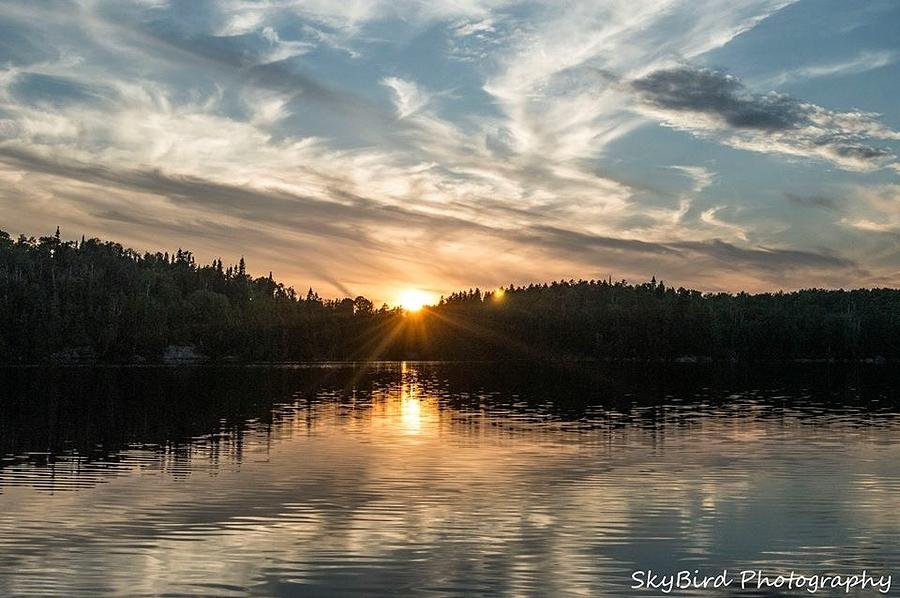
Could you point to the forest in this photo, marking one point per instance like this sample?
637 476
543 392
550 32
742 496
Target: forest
93 301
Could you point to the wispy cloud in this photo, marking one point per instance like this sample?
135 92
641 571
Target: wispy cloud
408 97
877 209
862 63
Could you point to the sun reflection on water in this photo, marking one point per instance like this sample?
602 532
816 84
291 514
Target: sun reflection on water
410 402
411 414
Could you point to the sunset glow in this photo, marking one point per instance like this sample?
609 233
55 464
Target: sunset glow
414 299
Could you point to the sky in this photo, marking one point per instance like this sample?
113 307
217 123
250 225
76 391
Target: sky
367 147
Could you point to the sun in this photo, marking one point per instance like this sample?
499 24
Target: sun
414 299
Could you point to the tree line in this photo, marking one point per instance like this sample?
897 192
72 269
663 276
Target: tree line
94 300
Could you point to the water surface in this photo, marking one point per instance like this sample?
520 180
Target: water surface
440 479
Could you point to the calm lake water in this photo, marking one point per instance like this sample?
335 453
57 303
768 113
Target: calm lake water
442 479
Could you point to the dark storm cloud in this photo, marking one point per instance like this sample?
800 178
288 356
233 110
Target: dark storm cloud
764 258
705 100
812 201
687 89
724 254
855 151
570 240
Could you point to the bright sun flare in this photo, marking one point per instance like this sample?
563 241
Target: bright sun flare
414 299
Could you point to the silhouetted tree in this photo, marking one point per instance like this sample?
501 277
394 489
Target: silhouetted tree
98 300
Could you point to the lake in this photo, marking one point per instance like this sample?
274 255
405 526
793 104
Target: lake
443 478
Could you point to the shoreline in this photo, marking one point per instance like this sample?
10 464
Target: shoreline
705 361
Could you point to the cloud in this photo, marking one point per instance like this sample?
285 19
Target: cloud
339 24
822 202
767 258
876 208
360 237
710 217
407 95
467 28
576 241
701 176
728 254
718 95
718 105
283 49
862 63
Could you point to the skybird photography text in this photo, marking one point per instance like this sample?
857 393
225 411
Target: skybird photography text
755 579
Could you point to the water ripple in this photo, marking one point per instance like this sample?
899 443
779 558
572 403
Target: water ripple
437 479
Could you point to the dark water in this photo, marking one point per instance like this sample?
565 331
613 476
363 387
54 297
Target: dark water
442 479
